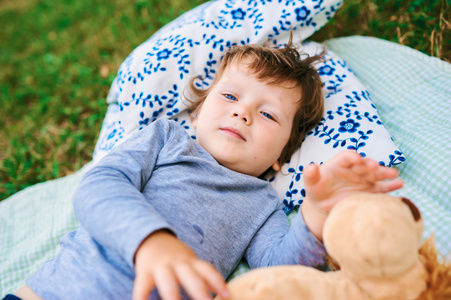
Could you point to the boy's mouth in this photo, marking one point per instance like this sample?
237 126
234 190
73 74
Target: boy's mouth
233 132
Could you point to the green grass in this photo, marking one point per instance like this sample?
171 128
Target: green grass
424 25
58 59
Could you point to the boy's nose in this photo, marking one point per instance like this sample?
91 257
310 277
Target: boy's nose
244 115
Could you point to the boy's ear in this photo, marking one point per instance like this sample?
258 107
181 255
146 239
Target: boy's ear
276 166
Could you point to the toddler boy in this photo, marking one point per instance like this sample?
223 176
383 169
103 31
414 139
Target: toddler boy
162 210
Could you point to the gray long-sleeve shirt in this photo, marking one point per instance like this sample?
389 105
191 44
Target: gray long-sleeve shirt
161 179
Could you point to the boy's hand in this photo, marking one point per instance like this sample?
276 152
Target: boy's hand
162 261
345 174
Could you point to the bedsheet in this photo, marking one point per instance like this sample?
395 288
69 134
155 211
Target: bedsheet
412 92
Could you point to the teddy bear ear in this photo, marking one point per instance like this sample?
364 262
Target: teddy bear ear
415 211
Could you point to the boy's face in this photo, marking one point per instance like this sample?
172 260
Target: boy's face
245 123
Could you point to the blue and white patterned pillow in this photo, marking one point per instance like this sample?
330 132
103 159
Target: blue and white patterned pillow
151 80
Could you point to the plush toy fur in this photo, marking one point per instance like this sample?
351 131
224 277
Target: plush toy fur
375 238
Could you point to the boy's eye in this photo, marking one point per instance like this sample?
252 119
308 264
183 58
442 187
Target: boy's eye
265 114
230 97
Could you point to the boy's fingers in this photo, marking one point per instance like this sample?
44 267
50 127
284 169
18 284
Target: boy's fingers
364 168
142 287
214 279
389 186
388 173
348 158
311 175
167 284
373 172
193 282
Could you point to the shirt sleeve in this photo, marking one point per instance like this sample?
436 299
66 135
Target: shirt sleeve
278 243
108 201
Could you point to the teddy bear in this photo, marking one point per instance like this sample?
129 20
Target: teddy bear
376 241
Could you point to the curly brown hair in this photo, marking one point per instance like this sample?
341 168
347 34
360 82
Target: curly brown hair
275 66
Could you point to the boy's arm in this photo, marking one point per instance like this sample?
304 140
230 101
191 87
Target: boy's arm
278 243
108 201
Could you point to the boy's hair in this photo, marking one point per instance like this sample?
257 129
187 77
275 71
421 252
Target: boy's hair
277 66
